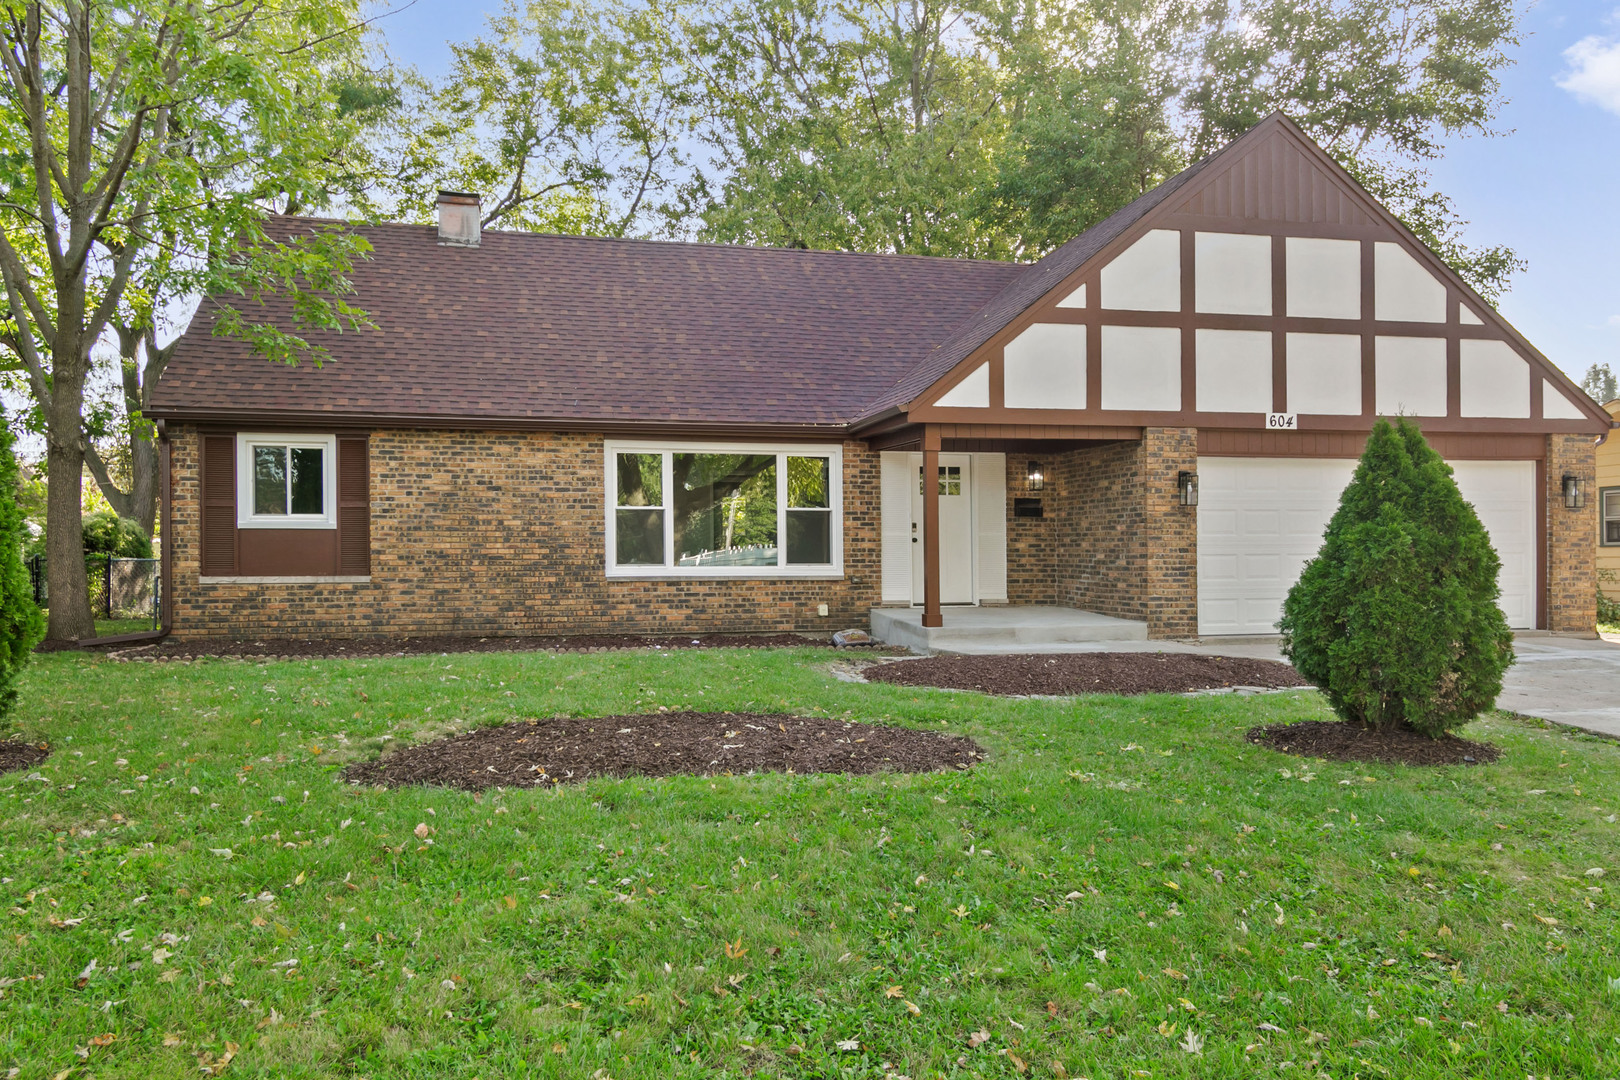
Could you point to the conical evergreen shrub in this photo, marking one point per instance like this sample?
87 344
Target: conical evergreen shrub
1396 618
21 622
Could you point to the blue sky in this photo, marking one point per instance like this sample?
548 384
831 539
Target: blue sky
1550 189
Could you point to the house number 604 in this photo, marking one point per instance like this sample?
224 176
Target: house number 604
1282 421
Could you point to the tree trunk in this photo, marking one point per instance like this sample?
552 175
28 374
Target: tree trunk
144 483
70 617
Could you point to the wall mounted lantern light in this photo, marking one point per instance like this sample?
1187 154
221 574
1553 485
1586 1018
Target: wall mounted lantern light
1035 480
1187 486
1574 492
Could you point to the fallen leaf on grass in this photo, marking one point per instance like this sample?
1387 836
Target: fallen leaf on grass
913 1009
423 830
1174 974
84 976
1051 1008
214 1066
1018 1062
171 1039
849 1044
735 950
894 992
978 1038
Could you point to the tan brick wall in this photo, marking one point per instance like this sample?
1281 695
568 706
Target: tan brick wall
502 533
1114 538
1571 536
1031 568
1172 532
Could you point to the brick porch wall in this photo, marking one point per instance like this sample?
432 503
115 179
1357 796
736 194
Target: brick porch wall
1571 536
1114 538
502 533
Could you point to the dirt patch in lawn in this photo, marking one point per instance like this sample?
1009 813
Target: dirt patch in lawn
20 755
1087 673
561 750
1338 740
330 648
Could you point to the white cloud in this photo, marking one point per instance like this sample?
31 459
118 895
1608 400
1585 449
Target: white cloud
1594 71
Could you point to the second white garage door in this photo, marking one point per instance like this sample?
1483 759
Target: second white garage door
1261 519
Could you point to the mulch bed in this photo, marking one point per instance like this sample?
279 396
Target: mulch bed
20 755
1338 740
291 649
542 753
1087 673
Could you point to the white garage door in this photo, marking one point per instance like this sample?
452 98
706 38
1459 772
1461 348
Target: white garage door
1261 519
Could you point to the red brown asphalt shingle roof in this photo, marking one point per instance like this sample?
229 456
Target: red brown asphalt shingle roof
530 327
536 328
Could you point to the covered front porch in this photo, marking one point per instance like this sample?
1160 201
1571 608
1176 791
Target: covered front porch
1043 537
1022 628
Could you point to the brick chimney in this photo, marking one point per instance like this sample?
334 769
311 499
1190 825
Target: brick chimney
458 218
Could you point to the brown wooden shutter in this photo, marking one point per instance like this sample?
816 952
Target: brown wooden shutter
218 505
354 507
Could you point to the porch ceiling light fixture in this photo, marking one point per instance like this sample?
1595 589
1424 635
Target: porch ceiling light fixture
1187 486
1035 479
1574 492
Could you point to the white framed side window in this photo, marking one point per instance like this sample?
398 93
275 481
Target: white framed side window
724 510
286 481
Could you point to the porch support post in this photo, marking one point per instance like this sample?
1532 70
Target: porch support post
930 486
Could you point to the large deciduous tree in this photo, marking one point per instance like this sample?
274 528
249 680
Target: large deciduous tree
1004 127
147 137
565 113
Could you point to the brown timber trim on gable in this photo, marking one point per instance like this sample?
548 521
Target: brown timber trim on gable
227 551
1453 446
1171 214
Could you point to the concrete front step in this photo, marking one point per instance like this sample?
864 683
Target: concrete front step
1002 629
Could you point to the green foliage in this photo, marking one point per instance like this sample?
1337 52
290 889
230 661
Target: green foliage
1608 611
1396 617
1599 384
21 623
105 533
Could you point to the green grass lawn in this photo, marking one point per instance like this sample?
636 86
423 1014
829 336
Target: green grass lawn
1127 889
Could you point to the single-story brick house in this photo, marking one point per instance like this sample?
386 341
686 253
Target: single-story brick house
553 434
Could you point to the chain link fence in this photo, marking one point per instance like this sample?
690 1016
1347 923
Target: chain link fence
127 590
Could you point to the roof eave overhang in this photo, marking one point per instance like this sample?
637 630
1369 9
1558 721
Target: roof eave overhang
372 421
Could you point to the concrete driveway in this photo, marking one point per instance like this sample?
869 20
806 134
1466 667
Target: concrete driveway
1567 680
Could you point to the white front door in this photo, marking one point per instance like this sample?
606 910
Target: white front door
955 482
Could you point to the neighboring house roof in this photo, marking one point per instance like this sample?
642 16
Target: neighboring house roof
529 328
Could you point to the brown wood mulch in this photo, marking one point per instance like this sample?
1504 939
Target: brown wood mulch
1087 673
363 648
21 755
1339 740
542 753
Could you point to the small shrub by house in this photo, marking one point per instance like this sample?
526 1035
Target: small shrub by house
1396 619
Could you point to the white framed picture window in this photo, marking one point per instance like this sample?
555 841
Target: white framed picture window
724 510
286 481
